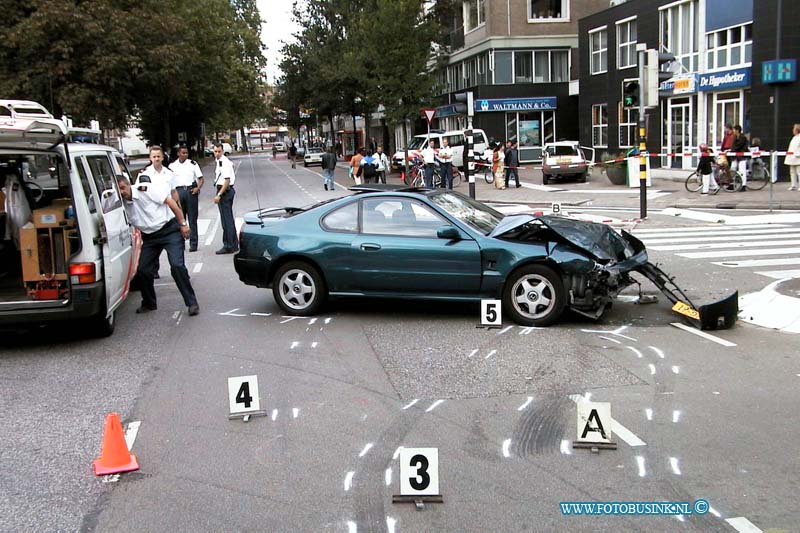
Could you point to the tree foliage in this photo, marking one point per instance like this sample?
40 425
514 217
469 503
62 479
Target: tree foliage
170 64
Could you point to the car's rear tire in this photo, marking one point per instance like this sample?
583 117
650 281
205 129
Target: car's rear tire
534 295
299 289
545 179
581 178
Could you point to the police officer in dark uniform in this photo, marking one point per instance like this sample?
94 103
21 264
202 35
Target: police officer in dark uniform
188 182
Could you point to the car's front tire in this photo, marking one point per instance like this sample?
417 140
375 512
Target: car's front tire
534 295
299 289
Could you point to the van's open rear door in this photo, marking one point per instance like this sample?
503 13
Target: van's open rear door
31 134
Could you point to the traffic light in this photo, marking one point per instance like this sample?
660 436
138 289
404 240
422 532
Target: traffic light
630 93
465 106
653 75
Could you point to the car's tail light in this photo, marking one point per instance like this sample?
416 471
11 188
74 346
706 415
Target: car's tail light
82 273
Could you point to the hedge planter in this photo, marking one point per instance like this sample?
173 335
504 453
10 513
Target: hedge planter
617 174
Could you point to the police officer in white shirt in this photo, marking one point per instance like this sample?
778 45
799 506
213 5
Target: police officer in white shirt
429 158
188 182
383 164
163 227
445 157
224 179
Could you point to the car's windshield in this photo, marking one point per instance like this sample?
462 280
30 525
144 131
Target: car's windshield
475 214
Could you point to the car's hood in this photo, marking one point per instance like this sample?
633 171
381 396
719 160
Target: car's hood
599 240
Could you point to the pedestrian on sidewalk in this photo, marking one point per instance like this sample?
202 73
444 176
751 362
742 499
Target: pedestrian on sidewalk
793 160
512 162
498 169
383 164
705 169
224 178
328 166
739 162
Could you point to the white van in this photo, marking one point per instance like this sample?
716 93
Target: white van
455 138
67 251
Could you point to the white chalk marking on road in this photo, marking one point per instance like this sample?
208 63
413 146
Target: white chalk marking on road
363 417
365 450
610 339
506 446
175 315
396 453
637 352
312 321
213 232
504 330
526 404
652 369
197 268
749 263
232 312
473 352
388 476
434 405
617 332
648 413
676 416
294 345
352 527
390 524
740 253
348 480
622 432
679 518
640 463
328 320
565 447
295 412
703 334
743 525
413 402
130 433
717 392
527 330
274 415
714 512
289 319
658 351
673 463
110 478
676 369
314 344
490 354
261 314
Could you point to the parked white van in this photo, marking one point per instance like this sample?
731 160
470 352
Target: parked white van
455 138
67 249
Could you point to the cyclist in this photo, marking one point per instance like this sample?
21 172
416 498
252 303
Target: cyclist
705 169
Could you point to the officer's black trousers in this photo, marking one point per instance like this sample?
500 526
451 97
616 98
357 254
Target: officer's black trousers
168 238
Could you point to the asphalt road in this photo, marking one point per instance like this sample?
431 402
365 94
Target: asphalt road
345 390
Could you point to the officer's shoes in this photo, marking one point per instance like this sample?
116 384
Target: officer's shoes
145 309
193 249
194 310
326 186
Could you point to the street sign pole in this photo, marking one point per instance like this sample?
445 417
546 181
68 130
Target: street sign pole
429 114
642 51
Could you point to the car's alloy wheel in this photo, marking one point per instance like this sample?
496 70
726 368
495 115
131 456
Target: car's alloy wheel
299 289
534 296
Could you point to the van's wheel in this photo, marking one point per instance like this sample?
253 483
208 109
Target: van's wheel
102 324
299 289
534 295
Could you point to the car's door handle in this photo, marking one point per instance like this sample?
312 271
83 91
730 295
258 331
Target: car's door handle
368 246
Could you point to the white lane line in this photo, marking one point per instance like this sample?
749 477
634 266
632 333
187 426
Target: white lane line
648 413
295 412
748 263
703 334
673 463
723 245
388 476
637 352
676 369
526 404
365 450
348 480
490 354
679 518
274 415
294 345
390 524
640 464
130 433
197 268
714 512
213 232
621 431
610 339
658 351
434 405
565 447
780 274
261 314
473 352
743 525
396 453
504 330
506 446
314 344
740 253
352 527
410 404
676 416
652 369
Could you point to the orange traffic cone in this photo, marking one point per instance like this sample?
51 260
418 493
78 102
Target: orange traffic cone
114 455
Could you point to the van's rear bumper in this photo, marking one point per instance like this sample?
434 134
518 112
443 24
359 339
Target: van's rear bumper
86 301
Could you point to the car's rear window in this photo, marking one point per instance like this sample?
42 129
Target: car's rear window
562 151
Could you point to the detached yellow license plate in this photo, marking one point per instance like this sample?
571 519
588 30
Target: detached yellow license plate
686 310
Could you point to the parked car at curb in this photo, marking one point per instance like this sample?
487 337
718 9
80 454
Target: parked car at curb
565 159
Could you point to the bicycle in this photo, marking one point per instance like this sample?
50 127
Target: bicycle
758 174
416 176
728 181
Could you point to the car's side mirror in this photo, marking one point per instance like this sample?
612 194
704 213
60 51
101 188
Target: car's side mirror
449 233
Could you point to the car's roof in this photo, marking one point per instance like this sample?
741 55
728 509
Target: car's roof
561 143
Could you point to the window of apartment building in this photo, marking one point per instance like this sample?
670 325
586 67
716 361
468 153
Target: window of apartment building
628 124
730 47
559 65
474 14
471 72
600 125
598 50
548 10
626 43
503 67
523 67
679 33
531 66
484 77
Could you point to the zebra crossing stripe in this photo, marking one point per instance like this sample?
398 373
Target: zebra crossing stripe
677 237
739 253
720 245
780 274
748 263
717 227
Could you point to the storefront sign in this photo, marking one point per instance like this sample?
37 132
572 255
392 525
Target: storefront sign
546 103
779 71
682 84
446 111
729 79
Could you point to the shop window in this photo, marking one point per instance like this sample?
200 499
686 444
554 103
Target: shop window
626 42
678 33
548 10
730 47
598 50
600 125
474 14
503 70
